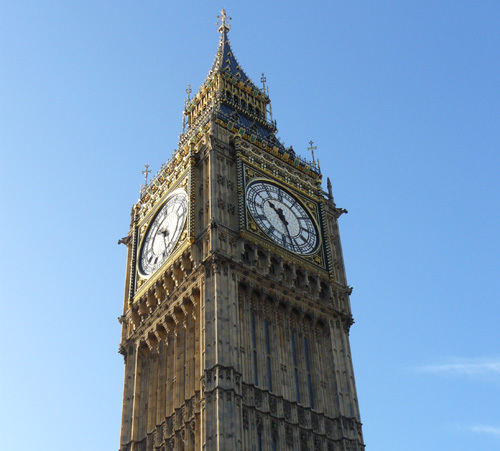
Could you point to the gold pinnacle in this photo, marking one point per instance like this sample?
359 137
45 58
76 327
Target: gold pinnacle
224 27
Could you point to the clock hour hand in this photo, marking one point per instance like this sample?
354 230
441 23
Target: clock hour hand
165 233
279 212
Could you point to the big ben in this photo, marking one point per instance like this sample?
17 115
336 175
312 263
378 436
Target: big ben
236 315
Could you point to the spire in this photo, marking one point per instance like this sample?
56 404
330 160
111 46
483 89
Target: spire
229 98
228 90
225 60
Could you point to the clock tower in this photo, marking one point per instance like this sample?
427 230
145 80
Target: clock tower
236 317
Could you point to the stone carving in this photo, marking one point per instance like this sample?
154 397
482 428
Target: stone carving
245 418
289 435
287 408
258 399
259 421
272 405
274 428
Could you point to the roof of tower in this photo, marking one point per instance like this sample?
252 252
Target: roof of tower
225 60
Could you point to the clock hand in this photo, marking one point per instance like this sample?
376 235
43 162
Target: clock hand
165 233
279 212
289 236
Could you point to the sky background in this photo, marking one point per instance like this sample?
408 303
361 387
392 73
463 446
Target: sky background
401 98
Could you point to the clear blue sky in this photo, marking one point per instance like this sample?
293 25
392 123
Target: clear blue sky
402 99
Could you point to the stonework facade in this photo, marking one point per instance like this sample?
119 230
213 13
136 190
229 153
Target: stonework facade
235 326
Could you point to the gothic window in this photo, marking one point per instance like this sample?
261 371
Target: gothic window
268 358
295 368
246 254
261 259
324 291
288 273
254 346
308 368
273 268
259 440
312 284
299 279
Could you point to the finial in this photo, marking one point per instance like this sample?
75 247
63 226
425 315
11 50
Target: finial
146 172
329 187
312 149
186 102
224 27
263 79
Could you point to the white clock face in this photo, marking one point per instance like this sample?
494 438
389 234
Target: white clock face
282 217
164 232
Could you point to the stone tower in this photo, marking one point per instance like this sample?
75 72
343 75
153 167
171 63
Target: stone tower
235 325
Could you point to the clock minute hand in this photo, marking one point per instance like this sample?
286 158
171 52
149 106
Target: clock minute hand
289 236
279 212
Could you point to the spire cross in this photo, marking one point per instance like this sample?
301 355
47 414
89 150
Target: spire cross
224 27
146 172
263 79
188 92
312 149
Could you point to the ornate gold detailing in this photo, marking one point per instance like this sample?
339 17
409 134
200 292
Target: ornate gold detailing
318 260
224 27
273 150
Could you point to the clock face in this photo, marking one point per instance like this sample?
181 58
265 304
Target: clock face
164 232
282 217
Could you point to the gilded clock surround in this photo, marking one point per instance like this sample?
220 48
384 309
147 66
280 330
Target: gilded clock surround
164 232
317 260
282 216
204 368
147 209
